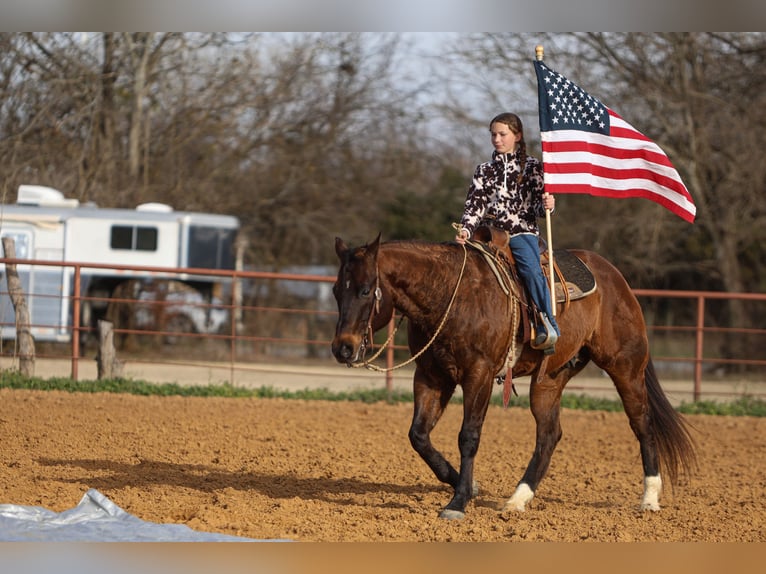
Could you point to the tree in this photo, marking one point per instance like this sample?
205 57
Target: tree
427 216
303 136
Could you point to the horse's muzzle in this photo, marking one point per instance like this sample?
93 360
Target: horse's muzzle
347 349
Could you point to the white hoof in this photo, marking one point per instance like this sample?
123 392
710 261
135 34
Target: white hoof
521 497
652 490
652 506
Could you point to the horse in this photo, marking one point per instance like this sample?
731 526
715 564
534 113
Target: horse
460 332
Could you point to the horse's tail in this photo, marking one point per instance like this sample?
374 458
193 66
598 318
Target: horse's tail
675 445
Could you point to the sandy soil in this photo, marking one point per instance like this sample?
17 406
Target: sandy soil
324 471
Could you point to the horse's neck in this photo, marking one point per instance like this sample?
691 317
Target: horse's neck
415 276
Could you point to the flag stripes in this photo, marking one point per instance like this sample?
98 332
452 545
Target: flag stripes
583 153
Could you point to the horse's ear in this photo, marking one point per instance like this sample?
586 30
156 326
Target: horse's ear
373 247
340 247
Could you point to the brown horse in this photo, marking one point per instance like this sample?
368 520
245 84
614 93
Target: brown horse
460 328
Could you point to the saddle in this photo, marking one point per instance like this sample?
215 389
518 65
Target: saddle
572 278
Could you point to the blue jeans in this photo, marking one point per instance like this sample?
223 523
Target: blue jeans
527 255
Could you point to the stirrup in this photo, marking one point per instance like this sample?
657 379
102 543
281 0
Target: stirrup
545 341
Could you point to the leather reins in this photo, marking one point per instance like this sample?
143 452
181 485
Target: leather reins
376 308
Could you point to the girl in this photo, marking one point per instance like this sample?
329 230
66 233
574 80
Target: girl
507 192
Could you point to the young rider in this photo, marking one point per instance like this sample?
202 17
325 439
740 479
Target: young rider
508 192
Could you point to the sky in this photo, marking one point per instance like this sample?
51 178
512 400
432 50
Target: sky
388 15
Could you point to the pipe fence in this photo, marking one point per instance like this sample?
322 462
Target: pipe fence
289 318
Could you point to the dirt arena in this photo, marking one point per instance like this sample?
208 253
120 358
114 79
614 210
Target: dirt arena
326 472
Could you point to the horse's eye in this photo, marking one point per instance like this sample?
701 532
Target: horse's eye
365 291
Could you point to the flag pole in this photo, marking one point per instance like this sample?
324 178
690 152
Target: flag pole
539 52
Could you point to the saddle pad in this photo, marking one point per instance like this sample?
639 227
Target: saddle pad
579 279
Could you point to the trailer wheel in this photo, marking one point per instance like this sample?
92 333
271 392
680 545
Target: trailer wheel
86 323
178 323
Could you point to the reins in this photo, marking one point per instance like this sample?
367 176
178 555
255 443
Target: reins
367 362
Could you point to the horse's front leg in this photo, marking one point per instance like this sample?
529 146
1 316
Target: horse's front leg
545 403
431 399
477 391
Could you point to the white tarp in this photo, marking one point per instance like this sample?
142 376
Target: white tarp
94 519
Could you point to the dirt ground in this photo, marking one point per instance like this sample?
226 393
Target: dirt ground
327 472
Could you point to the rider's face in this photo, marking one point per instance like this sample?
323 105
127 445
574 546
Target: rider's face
503 139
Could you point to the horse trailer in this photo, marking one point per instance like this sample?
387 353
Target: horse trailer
46 226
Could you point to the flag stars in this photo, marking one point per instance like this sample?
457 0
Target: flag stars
580 120
569 105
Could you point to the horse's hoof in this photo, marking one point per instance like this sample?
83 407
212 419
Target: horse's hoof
521 497
452 514
514 507
652 488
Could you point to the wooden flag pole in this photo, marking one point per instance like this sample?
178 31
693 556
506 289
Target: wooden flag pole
539 52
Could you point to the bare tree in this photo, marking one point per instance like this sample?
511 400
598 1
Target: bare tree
301 135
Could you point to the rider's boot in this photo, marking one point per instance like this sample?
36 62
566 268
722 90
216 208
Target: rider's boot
546 337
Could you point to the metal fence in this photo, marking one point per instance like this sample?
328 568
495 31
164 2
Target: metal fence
273 318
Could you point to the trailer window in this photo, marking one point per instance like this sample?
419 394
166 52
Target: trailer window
134 238
21 243
211 247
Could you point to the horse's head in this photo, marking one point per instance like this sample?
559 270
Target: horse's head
362 307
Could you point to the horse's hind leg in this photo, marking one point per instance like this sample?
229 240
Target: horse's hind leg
631 387
662 434
545 403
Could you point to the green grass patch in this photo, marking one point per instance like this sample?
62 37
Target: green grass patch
744 406
14 380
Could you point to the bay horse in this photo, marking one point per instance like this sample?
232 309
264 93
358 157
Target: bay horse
459 330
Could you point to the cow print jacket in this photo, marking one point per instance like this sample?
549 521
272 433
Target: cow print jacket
496 198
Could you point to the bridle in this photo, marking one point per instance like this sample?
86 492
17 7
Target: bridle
375 308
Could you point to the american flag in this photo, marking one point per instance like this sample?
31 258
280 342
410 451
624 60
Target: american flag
588 148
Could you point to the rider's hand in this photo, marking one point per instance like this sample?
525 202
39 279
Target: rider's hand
549 202
462 236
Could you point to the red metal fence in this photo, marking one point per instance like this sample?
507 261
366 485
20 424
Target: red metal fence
289 318
735 347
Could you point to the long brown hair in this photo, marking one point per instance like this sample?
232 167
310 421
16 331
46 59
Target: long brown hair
514 123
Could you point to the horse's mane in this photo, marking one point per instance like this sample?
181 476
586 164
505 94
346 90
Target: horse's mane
446 254
421 245
438 264
416 243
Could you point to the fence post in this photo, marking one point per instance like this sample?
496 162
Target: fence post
23 329
699 348
236 320
390 358
76 323
109 367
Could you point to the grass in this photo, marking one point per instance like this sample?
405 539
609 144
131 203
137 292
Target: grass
743 406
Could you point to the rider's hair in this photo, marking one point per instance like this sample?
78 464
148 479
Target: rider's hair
514 123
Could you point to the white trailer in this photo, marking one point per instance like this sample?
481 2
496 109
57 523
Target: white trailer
49 227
